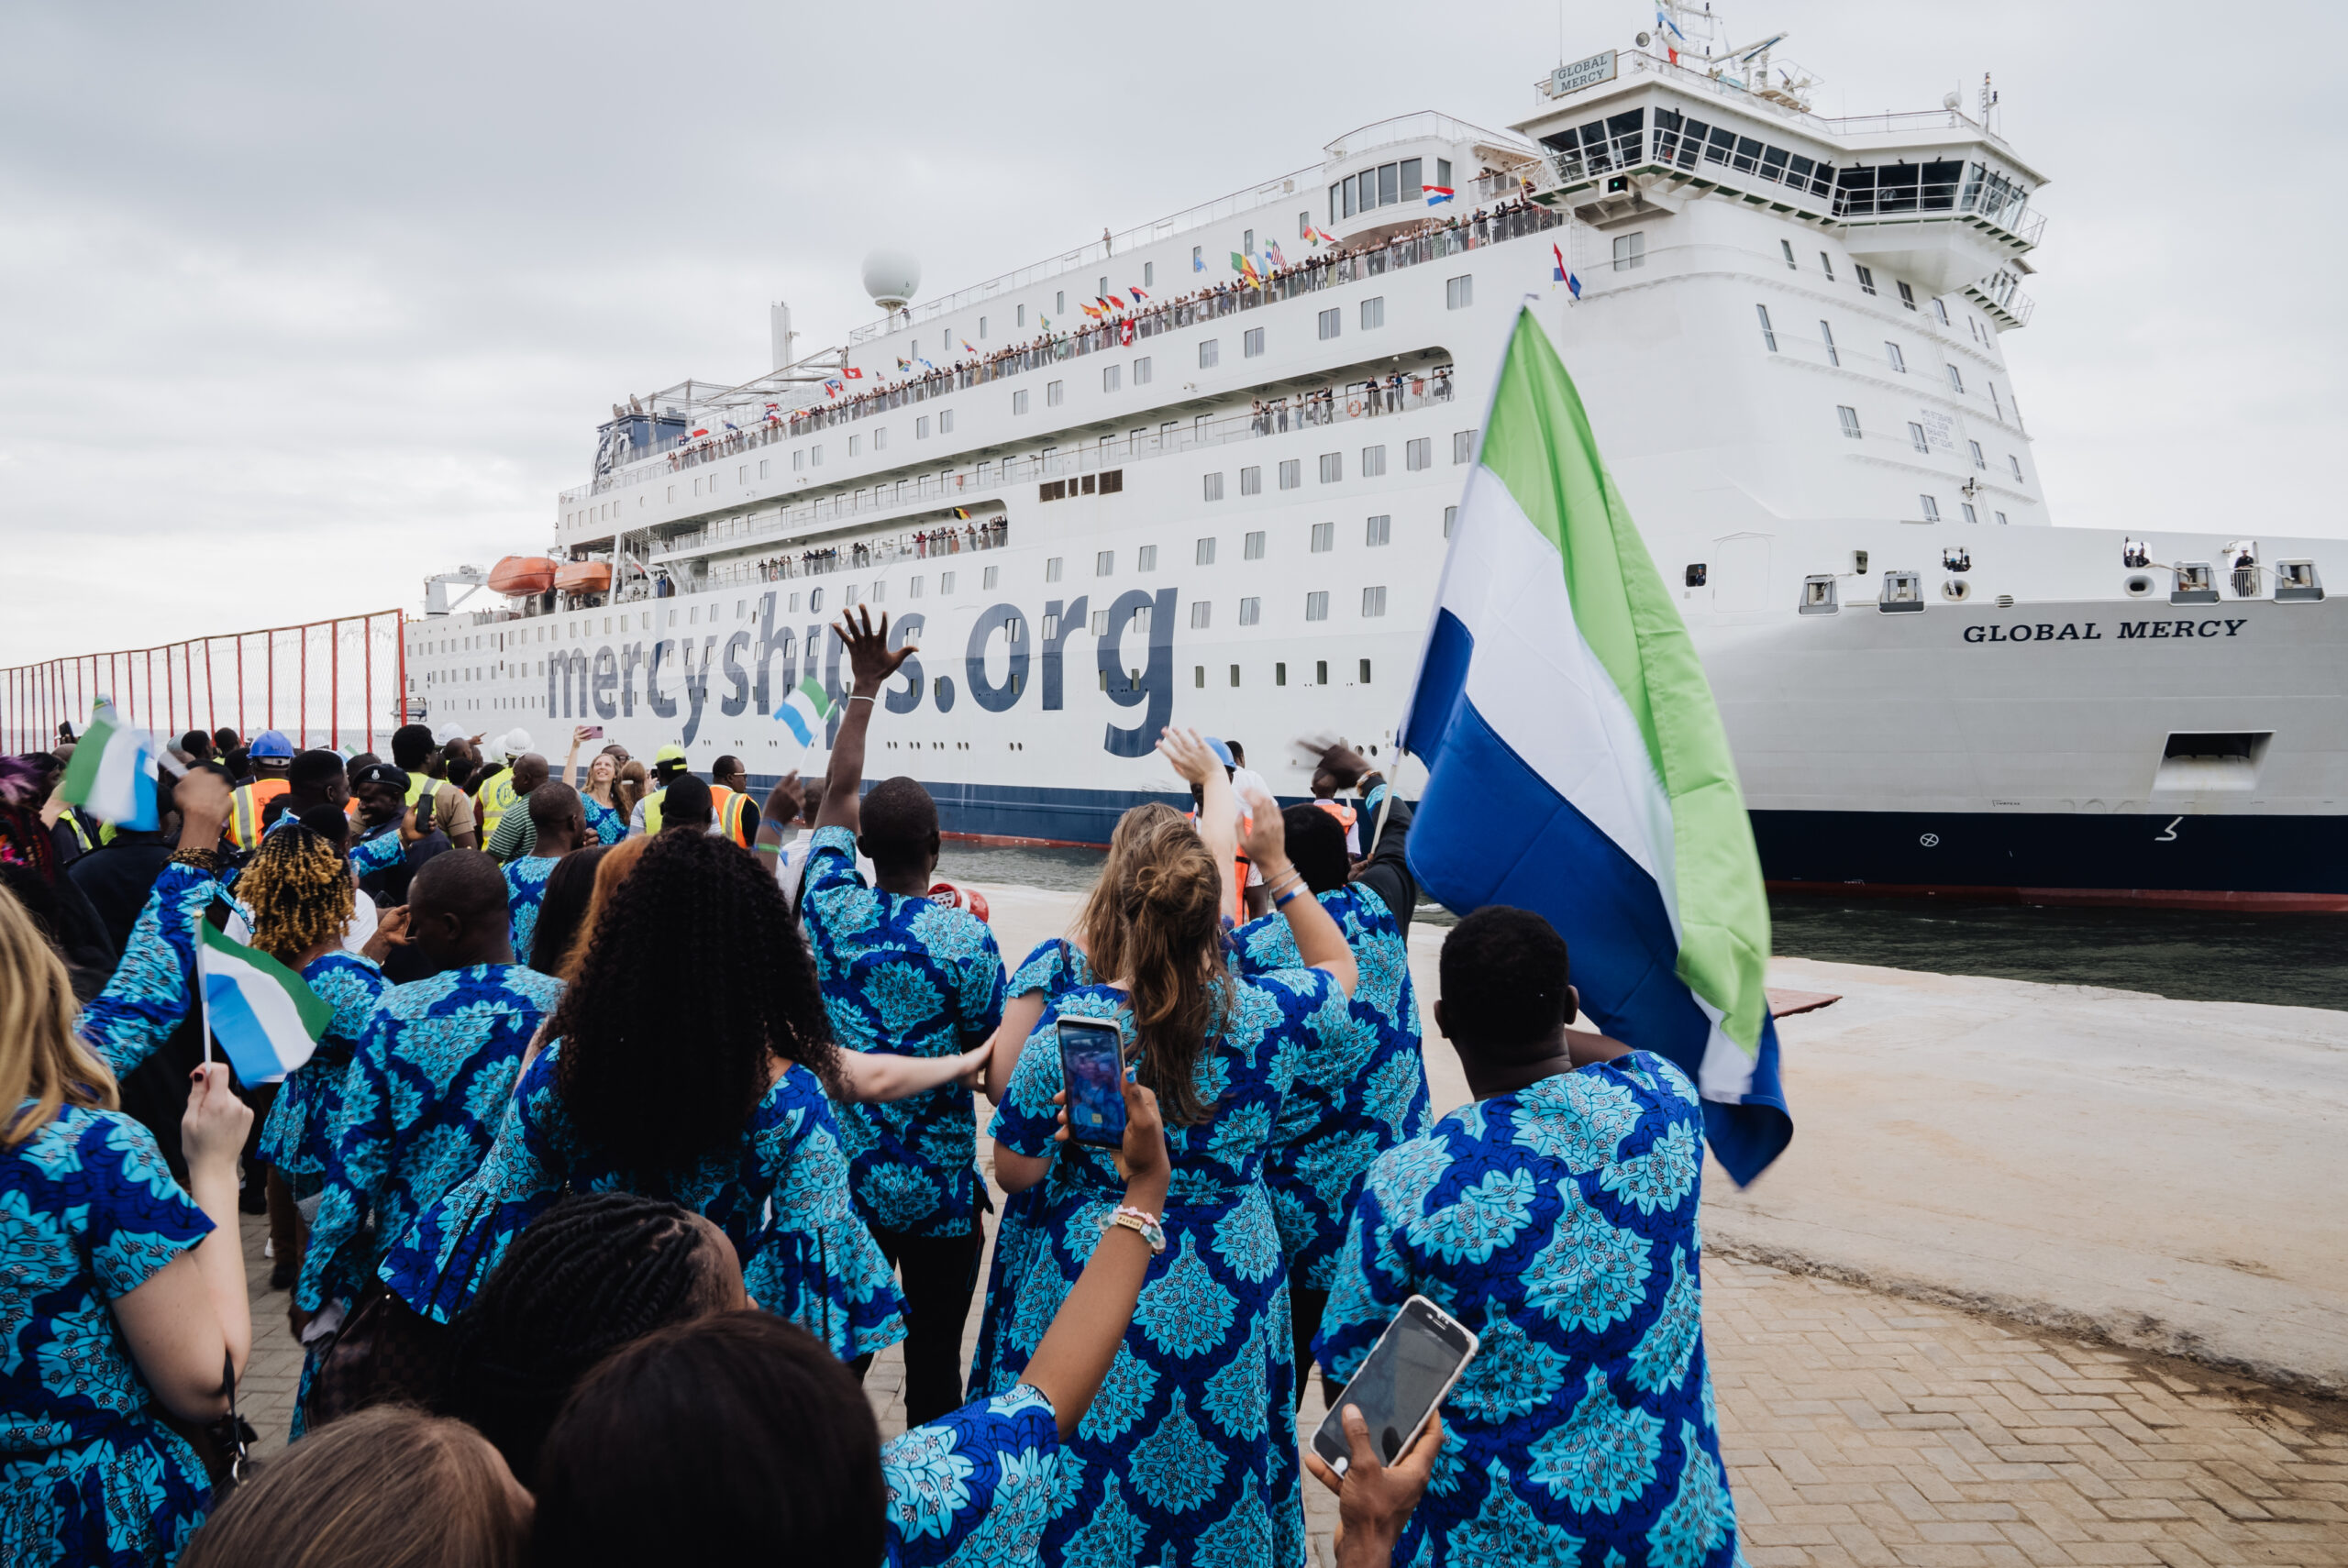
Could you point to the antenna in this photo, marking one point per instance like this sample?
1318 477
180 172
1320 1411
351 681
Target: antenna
1988 103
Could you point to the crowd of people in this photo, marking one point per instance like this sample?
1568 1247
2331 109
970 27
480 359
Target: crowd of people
632 1136
990 535
1120 320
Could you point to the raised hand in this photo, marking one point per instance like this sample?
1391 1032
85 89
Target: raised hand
1186 751
784 801
870 660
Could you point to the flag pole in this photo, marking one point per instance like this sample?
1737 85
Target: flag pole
203 996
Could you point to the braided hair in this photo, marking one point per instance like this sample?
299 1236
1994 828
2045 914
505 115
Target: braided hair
591 1273
299 891
695 980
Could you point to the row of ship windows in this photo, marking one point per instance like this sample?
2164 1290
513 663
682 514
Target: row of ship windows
1416 454
1894 357
1920 439
1630 254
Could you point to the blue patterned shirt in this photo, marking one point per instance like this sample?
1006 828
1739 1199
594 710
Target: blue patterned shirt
1355 1099
1559 1224
604 821
296 1136
88 1214
148 993
380 850
976 1486
907 978
420 1105
526 889
779 1194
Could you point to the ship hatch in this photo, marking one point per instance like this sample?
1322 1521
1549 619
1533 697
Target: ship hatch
2195 761
2196 583
1818 595
1901 591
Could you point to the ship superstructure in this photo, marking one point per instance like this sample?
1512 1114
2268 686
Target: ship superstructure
1202 472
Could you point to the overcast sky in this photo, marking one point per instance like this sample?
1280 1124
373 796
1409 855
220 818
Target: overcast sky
300 303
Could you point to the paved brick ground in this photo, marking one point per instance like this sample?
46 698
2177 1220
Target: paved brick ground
1865 1429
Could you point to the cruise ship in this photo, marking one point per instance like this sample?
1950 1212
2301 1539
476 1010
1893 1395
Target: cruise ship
1202 472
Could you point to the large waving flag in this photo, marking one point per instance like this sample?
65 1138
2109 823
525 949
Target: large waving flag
1577 764
112 773
806 710
267 1021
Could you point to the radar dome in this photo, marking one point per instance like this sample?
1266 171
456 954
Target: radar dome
891 277
1948 101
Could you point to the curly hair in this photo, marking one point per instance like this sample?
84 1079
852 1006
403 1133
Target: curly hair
299 889
1168 896
695 980
591 1273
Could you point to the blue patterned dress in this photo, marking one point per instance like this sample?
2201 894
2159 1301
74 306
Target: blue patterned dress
1051 968
1189 1452
975 1487
1364 1094
907 978
526 889
420 1105
297 1137
604 821
87 1473
150 989
1560 1223
809 1259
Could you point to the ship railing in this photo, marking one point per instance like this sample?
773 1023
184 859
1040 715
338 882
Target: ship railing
1350 404
930 547
1309 275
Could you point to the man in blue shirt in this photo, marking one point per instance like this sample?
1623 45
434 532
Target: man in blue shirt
904 977
1556 1216
560 822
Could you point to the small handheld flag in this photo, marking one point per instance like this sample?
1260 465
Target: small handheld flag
267 1021
1436 195
1136 294
852 373
1601 796
806 710
962 514
967 347
903 363
112 774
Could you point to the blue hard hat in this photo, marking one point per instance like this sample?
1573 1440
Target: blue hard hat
270 743
1222 752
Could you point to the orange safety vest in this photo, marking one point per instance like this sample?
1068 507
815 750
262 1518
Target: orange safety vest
245 808
727 807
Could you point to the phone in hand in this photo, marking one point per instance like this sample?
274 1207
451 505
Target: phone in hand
1410 1368
591 732
1092 1066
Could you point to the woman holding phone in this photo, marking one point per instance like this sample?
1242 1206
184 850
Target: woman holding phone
598 794
1190 1445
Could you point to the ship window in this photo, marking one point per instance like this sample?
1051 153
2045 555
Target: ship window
1373 602
1418 454
1145 559
1459 292
2001 519
1907 295
1850 417
1333 466
1834 357
1865 276
1940 311
921 433
1209 355
1773 163
1333 321
1970 515
1786 246
1104 563
1932 508
1373 314
1100 623
1251 343
1463 447
1768 333
1748 155
1826 265
987 580
1251 612
1916 438
1723 143
1198 671
1214 487
1379 531
912 588
1696 574
1054 393
1280 675
1204 553
1252 547
1316 606
1373 462
1450 515
2014 463
1235 675
1979 460
1019 400
1320 672
1410 186
1891 354
1251 481
1955 379
1141 371
1200 613
1630 251
1111 377
1292 473
1390 184
1324 537
1052 569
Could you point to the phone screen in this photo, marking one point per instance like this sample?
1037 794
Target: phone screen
1409 1371
1092 1063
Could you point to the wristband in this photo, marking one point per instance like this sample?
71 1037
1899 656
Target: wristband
1144 1225
1281 902
857 697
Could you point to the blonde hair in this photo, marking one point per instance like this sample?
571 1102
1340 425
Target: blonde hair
610 872
1101 924
42 1059
1170 901
299 891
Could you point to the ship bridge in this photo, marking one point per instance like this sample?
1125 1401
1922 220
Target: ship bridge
1935 196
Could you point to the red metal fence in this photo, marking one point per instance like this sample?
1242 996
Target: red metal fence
323 683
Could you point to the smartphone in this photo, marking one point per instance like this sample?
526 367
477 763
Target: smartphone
1410 1369
1093 1065
592 731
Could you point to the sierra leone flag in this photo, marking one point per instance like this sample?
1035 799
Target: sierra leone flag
112 773
266 1020
1577 764
805 711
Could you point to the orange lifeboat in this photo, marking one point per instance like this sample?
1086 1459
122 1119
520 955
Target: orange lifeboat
584 576
521 575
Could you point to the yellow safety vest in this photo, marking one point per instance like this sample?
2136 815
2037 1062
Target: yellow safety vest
245 805
652 810
730 805
497 799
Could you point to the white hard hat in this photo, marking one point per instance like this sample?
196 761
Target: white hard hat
516 742
443 734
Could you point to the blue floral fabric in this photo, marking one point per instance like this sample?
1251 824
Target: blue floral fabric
1050 968
526 889
907 978
150 989
973 1487
297 1137
781 1196
1560 1223
421 1104
1365 1092
88 1213
379 851
604 821
1188 1451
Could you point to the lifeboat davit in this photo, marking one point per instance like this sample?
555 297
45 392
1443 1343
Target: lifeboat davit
520 575
584 576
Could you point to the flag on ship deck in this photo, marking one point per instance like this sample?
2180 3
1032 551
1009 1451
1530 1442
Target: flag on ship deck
805 711
1436 195
1577 766
112 774
267 1021
1138 295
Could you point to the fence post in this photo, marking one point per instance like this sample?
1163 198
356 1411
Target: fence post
333 684
302 691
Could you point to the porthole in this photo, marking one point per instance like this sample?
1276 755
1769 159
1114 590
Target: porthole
2139 586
